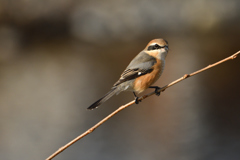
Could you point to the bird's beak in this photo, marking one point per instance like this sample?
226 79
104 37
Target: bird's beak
166 47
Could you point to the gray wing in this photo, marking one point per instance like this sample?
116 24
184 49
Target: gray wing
140 65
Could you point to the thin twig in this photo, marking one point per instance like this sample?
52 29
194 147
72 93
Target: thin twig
133 102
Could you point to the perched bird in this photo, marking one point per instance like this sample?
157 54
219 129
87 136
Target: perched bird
141 73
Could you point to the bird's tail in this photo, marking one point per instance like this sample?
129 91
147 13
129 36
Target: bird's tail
112 92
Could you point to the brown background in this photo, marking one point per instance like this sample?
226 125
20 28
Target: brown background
59 56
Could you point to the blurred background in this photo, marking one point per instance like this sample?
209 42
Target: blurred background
59 56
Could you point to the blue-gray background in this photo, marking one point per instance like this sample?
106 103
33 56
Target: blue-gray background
59 56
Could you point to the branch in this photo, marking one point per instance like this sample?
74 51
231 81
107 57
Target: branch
133 102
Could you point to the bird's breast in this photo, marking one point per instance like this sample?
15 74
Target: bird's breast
143 82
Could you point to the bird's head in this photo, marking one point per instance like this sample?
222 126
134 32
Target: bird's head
157 48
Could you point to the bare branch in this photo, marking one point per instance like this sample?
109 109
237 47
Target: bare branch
133 102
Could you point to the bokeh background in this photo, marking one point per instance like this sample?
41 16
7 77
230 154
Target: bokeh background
59 56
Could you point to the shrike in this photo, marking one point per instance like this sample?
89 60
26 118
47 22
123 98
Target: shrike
141 73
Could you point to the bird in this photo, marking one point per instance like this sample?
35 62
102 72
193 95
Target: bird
144 70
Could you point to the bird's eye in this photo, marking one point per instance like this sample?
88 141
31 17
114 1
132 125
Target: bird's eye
153 47
157 46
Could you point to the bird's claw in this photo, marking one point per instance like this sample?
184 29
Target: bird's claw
157 92
137 100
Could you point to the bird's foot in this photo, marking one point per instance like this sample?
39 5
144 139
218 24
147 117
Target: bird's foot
136 98
157 92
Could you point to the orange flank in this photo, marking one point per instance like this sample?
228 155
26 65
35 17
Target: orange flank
143 82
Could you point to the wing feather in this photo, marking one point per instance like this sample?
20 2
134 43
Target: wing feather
139 66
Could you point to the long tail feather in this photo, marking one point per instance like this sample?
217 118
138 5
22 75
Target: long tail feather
112 92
